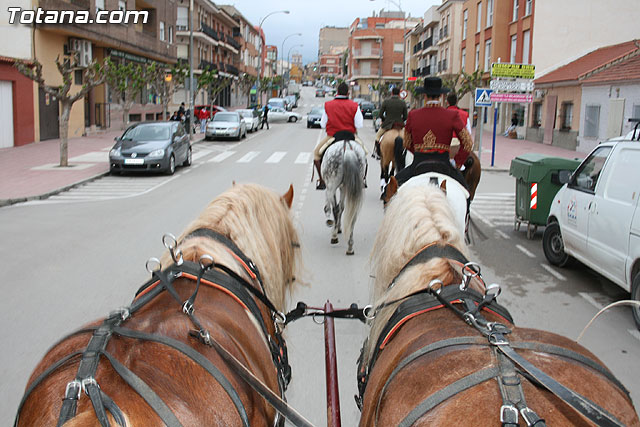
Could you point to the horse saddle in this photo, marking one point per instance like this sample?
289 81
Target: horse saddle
344 135
444 168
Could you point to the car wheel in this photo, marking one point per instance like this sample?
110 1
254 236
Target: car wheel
187 161
172 165
114 171
635 295
553 246
293 119
308 125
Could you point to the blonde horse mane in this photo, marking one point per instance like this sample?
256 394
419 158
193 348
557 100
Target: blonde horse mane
415 218
258 221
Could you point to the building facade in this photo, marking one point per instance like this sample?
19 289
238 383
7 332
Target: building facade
448 58
331 38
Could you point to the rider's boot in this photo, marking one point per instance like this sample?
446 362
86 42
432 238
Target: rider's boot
320 185
376 151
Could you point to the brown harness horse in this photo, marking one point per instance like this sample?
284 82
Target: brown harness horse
199 345
391 153
441 351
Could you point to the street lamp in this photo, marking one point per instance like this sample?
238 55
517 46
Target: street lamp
404 35
282 67
262 43
289 64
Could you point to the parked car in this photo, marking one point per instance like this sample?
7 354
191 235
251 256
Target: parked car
251 119
151 146
595 216
212 112
277 102
280 114
367 109
314 117
291 100
226 124
319 93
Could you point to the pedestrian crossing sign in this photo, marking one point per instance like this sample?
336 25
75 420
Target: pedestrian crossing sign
483 97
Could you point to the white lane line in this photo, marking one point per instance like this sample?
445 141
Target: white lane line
480 217
276 157
525 251
248 157
502 234
635 333
303 158
502 223
553 272
200 154
222 156
590 300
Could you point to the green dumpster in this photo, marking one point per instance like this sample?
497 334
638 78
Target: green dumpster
536 185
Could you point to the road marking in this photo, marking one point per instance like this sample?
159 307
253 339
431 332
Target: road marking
222 156
635 333
303 158
200 154
276 157
481 218
553 272
590 300
248 157
525 251
502 234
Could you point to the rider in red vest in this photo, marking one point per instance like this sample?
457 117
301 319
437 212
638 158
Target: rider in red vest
342 117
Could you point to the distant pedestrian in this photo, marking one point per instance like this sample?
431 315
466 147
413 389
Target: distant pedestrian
181 110
175 117
514 123
203 115
265 117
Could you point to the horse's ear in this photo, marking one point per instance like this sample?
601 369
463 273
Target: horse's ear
233 183
390 190
443 186
288 196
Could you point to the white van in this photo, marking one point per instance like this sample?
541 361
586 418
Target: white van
595 217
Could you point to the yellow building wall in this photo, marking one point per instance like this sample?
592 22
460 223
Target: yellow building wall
48 46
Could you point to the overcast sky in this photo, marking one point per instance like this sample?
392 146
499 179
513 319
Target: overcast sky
308 16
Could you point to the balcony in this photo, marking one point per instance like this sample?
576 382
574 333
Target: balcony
427 43
209 31
359 72
230 41
375 53
206 65
228 68
417 48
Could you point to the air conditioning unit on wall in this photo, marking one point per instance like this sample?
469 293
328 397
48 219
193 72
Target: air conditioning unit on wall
83 49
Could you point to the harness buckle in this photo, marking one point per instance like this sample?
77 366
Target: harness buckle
496 338
509 414
123 313
204 336
78 389
368 312
187 308
87 382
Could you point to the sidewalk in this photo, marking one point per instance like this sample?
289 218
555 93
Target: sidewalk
31 171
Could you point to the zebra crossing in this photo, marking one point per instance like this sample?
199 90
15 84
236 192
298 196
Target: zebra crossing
276 157
494 209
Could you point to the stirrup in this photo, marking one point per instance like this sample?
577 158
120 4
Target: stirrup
320 185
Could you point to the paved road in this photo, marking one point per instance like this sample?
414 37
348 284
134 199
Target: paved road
76 256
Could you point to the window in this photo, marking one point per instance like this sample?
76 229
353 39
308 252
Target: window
463 57
99 5
161 31
487 55
567 115
526 45
182 19
122 5
380 25
591 121
635 112
514 44
515 10
397 67
528 7
170 34
477 64
479 21
537 115
397 47
465 19
489 13
586 177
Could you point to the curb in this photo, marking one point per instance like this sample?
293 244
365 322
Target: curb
9 202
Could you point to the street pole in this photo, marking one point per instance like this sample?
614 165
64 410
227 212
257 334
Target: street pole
288 65
262 43
191 91
282 60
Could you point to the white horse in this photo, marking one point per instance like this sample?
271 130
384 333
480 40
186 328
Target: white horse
344 168
457 195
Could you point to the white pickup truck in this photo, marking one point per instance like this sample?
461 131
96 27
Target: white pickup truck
595 217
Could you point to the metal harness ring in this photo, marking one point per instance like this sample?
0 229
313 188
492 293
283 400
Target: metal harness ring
151 262
368 312
433 283
206 257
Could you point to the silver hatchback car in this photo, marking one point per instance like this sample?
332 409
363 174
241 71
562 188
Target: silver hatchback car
226 124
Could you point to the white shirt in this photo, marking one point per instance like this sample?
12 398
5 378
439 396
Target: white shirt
358 119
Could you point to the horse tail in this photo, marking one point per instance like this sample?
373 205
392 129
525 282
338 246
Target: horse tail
399 154
353 186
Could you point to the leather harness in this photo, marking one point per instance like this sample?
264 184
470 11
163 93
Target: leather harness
511 366
226 281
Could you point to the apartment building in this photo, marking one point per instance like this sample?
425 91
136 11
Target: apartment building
18 94
376 52
332 38
271 63
448 58
422 46
330 64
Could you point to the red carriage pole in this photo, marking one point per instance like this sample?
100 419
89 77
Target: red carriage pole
331 369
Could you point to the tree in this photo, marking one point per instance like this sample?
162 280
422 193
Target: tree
463 83
126 81
412 87
93 75
217 86
165 81
246 82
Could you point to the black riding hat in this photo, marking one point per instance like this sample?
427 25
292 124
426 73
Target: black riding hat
432 86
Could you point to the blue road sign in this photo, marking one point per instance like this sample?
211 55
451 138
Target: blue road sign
483 97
